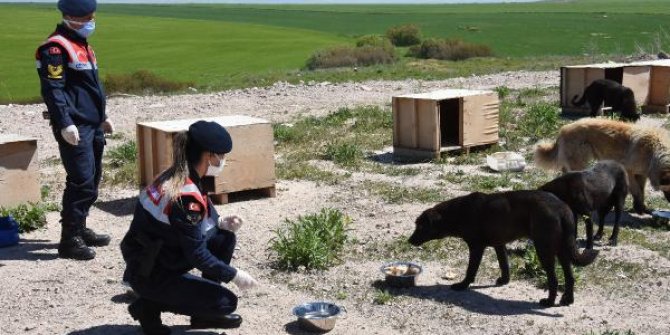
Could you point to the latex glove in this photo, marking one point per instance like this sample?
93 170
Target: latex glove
244 281
230 223
107 126
70 134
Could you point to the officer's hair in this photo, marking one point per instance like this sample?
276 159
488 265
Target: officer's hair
173 179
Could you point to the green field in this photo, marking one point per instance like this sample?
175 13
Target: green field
221 46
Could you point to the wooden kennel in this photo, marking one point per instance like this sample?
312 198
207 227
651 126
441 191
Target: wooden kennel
427 124
250 166
19 170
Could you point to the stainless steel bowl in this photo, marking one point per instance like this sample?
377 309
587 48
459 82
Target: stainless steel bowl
404 280
319 316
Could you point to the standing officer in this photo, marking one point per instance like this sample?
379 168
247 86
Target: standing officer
75 100
175 229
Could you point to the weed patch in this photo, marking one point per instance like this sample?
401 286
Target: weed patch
121 165
142 82
31 216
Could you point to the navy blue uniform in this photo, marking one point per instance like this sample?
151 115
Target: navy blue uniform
166 240
74 95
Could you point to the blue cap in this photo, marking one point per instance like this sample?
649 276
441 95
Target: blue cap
77 8
211 136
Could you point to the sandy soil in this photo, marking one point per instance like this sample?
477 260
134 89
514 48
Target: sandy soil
42 294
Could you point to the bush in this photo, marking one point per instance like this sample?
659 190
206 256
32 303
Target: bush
30 217
374 41
122 162
540 121
351 56
142 82
405 35
449 49
344 154
313 241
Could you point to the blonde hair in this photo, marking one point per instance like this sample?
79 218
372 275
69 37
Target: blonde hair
174 178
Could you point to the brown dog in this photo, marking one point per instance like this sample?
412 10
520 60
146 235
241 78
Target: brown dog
493 220
643 151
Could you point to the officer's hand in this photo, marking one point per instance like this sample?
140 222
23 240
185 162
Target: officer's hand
244 281
107 126
70 134
230 223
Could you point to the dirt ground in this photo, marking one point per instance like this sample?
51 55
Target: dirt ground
41 294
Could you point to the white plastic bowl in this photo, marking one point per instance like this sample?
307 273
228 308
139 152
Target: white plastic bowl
506 161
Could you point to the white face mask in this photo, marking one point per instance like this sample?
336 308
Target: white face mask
213 170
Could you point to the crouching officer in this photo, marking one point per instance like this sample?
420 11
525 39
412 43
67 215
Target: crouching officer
75 100
176 228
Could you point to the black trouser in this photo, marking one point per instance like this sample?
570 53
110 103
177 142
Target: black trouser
83 166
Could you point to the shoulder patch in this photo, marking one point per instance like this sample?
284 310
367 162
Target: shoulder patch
194 206
55 71
55 51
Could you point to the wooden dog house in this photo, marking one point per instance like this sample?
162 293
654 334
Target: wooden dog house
19 170
427 124
658 95
250 166
575 79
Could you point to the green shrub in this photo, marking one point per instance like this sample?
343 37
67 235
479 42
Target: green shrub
503 92
351 56
540 121
404 35
345 154
122 165
313 241
450 49
142 82
30 217
374 41
382 297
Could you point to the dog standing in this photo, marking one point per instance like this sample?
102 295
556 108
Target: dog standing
611 93
484 220
643 151
599 189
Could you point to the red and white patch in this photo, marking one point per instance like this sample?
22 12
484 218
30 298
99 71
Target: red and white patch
54 51
194 207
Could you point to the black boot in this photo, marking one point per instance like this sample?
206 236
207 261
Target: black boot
94 240
227 321
72 245
148 314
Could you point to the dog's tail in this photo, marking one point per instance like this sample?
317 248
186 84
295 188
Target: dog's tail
579 102
584 258
546 155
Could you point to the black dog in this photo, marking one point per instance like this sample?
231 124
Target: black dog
599 189
484 220
613 94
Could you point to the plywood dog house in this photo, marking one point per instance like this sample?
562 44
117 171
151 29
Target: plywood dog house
427 124
658 95
19 170
575 79
250 166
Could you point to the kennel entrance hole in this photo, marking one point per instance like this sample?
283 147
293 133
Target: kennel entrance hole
450 122
615 73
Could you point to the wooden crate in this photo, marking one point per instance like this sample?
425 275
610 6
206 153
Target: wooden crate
250 166
19 170
658 98
575 79
425 125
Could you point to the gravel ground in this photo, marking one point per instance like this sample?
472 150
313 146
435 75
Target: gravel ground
42 294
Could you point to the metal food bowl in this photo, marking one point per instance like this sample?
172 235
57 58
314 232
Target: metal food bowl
317 316
407 279
661 217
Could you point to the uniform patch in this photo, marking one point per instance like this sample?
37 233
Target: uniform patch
54 51
55 71
195 207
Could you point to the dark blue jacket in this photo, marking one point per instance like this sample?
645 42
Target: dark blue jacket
177 247
70 84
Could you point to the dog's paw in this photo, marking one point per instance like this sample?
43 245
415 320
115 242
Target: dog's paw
460 286
546 303
567 300
502 281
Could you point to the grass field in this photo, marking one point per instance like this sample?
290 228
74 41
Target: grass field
222 46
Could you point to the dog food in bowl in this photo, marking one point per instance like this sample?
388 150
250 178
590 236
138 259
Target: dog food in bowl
401 274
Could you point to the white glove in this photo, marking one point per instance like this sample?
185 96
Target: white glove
244 281
107 126
70 134
230 223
